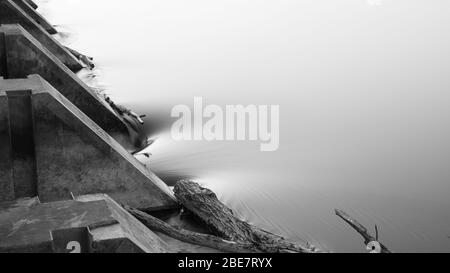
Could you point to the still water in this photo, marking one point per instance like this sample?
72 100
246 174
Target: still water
363 90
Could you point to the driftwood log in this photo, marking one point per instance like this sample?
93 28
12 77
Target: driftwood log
362 230
191 237
221 221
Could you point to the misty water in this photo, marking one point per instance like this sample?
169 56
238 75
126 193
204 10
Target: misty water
363 88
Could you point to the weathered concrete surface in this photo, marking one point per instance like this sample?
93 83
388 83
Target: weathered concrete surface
95 222
23 55
32 4
11 13
73 154
137 232
31 11
6 165
22 143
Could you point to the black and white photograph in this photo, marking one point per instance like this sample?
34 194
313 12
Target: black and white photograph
226 133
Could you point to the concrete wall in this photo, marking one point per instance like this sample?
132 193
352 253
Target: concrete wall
6 167
22 143
11 13
23 55
74 155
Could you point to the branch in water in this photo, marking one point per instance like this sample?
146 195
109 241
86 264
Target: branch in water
86 60
191 237
361 230
220 219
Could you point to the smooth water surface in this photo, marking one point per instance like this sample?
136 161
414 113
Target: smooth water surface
363 88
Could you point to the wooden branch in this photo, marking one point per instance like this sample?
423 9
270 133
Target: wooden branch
191 237
220 219
86 60
361 229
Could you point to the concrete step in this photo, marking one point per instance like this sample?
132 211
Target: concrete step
22 55
30 11
71 153
13 13
90 223
32 4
